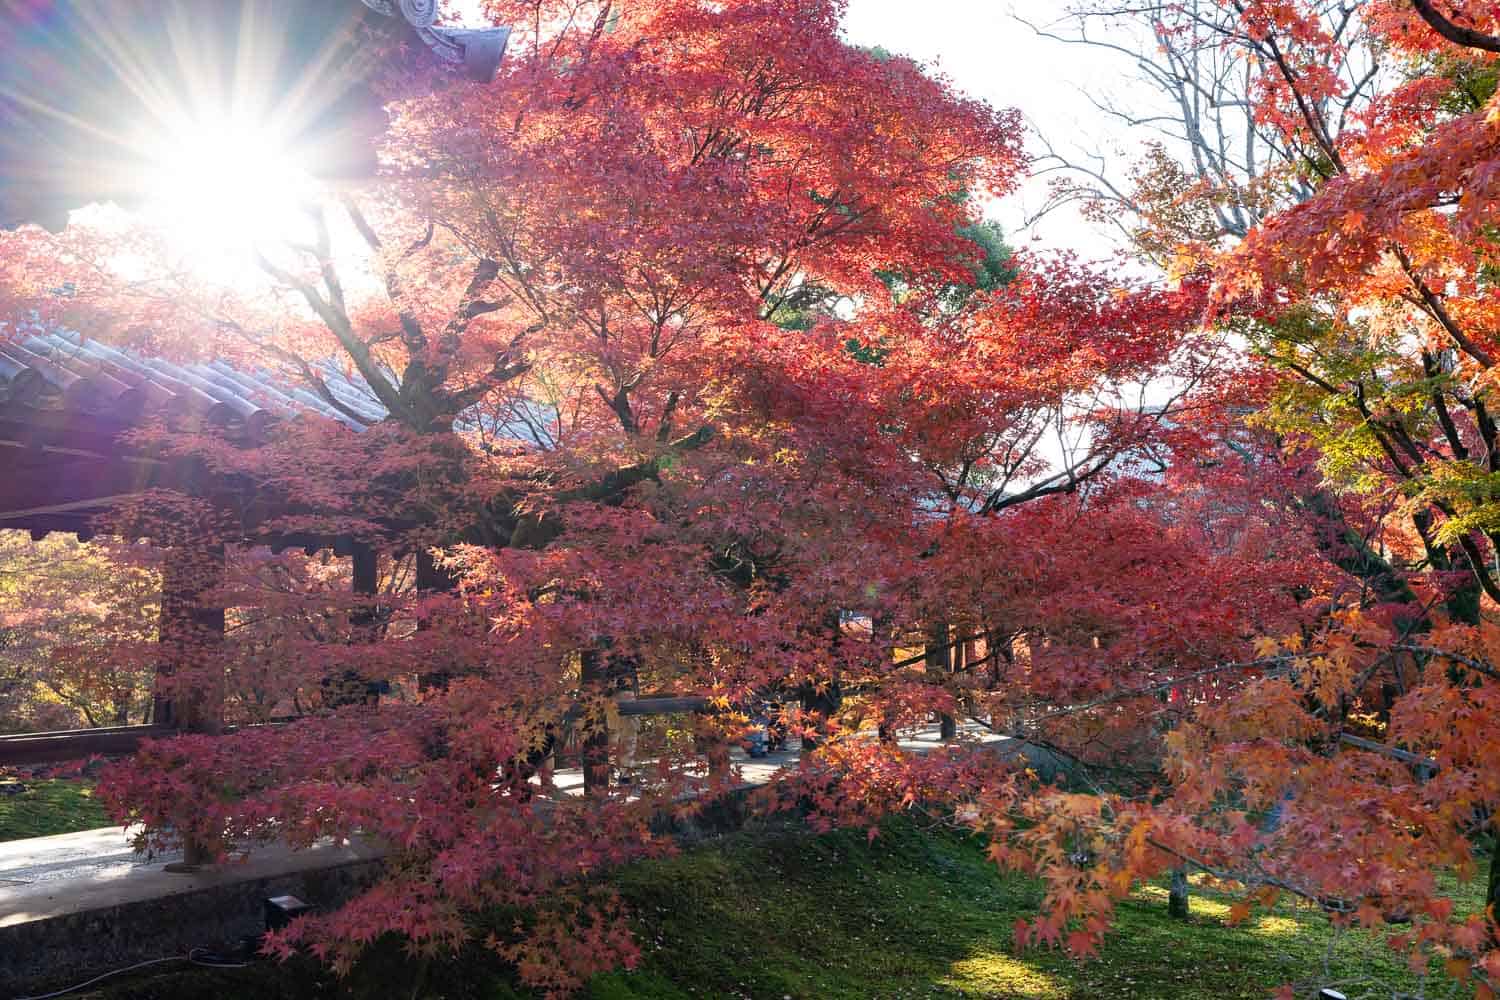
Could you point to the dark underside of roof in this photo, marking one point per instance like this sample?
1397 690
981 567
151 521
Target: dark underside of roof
86 84
68 403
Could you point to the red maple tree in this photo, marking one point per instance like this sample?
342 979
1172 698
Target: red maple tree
688 372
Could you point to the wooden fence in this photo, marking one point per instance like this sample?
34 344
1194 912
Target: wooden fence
110 741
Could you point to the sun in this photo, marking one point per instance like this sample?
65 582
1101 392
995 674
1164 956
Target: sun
228 188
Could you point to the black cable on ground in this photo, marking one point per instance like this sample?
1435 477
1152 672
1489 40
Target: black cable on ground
197 956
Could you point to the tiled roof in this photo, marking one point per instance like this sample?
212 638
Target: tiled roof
478 50
66 372
66 401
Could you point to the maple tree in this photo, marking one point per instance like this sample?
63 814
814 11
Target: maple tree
77 635
562 295
1343 764
688 357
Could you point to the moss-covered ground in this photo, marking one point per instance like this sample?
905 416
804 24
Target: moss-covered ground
783 913
42 807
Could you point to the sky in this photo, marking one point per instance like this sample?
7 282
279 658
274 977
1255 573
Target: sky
989 54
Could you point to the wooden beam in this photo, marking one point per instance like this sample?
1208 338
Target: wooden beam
76 744
670 705
111 741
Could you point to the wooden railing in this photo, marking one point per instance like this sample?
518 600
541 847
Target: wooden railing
111 741
75 744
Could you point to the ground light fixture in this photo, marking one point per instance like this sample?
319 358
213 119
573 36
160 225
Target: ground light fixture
282 910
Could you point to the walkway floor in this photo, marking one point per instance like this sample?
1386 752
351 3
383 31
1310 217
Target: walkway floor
50 876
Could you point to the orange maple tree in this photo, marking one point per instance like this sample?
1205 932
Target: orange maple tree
1344 764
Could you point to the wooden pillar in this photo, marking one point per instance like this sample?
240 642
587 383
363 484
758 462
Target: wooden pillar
593 743
351 688
191 637
1001 650
718 758
191 634
938 664
366 582
883 639
824 701
430 577
818 703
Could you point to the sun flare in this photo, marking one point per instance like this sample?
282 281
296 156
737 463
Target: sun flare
228 188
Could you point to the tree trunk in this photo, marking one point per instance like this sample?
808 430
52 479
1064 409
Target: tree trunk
1462 603
1349 550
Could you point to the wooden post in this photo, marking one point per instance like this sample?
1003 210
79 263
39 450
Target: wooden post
1002 654
883 638
708 739
431 577
190 634
191 637
365 570
939 664
964 655
351 688
366 582
593 744
825 701
1177 896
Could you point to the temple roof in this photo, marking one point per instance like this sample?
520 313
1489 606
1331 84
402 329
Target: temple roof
478 50
64 373
67 404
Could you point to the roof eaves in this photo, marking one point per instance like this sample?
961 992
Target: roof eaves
477 50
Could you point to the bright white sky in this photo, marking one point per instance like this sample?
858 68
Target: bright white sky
990 55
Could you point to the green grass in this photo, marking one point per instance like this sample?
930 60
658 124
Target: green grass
48 806
788 914
918 915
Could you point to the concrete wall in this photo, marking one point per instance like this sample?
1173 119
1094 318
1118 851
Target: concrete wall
61 950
